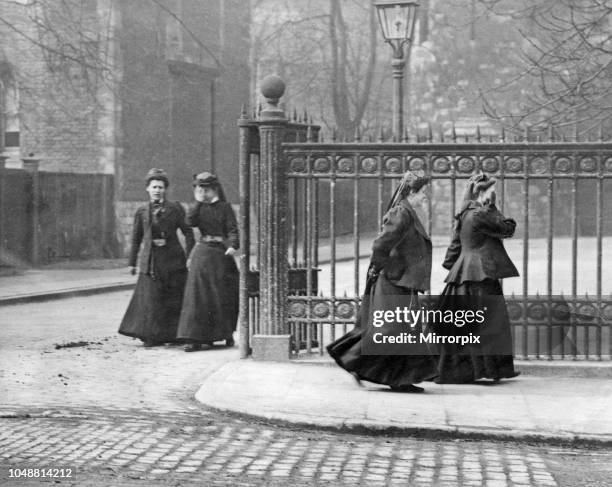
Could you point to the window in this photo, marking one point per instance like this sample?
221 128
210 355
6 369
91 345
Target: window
9 104
11 116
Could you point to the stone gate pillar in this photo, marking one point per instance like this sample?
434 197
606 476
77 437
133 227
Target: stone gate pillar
274 343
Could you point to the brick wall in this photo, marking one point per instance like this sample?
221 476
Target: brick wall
58 113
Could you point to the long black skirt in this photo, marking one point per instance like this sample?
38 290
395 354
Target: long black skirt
155 307
391 370
210 304
457 366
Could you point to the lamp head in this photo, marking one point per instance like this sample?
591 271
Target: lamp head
397 19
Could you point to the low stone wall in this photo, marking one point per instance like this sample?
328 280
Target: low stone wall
125 211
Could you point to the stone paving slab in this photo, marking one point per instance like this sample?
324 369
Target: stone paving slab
540 408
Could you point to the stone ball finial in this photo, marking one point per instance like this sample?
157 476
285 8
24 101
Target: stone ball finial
272 87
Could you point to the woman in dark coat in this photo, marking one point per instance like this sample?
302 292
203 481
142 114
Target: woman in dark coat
154 310
400 266
210 305
477 260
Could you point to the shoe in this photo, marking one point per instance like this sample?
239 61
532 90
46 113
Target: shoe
408 388
229 342
150 343
497 380
193 347
356 377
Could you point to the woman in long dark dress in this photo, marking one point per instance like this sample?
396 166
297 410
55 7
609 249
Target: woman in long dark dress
400 266
210 305
154 310
477 260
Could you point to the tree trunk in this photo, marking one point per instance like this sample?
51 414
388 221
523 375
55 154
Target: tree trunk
348 115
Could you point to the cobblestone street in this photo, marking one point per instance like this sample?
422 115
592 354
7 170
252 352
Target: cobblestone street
204 447
124 415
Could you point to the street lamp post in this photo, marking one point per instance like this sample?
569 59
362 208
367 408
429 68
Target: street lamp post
397 20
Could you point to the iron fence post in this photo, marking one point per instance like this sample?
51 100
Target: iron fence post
244 225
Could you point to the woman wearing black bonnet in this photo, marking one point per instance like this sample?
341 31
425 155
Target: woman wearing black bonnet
210 306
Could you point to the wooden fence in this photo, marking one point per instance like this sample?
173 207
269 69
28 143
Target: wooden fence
47 217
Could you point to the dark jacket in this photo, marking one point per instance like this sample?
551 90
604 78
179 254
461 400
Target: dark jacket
477 252
215 219
147 226
402 250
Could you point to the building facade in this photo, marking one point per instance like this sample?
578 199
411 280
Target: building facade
113 87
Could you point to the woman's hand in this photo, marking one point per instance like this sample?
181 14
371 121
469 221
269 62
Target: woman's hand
198 194
230 251
373 273
133 270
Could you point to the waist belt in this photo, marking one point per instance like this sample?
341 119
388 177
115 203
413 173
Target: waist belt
211 238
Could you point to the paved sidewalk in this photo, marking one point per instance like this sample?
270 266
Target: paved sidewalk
44 284
529 407
54 283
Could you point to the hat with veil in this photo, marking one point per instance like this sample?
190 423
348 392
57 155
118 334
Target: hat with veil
411 183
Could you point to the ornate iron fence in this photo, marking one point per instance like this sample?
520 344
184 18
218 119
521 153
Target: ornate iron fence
48 217
311 208
556 312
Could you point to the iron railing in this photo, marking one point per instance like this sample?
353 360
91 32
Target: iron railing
337 193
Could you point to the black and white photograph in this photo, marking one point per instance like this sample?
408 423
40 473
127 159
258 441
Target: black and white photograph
295 243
